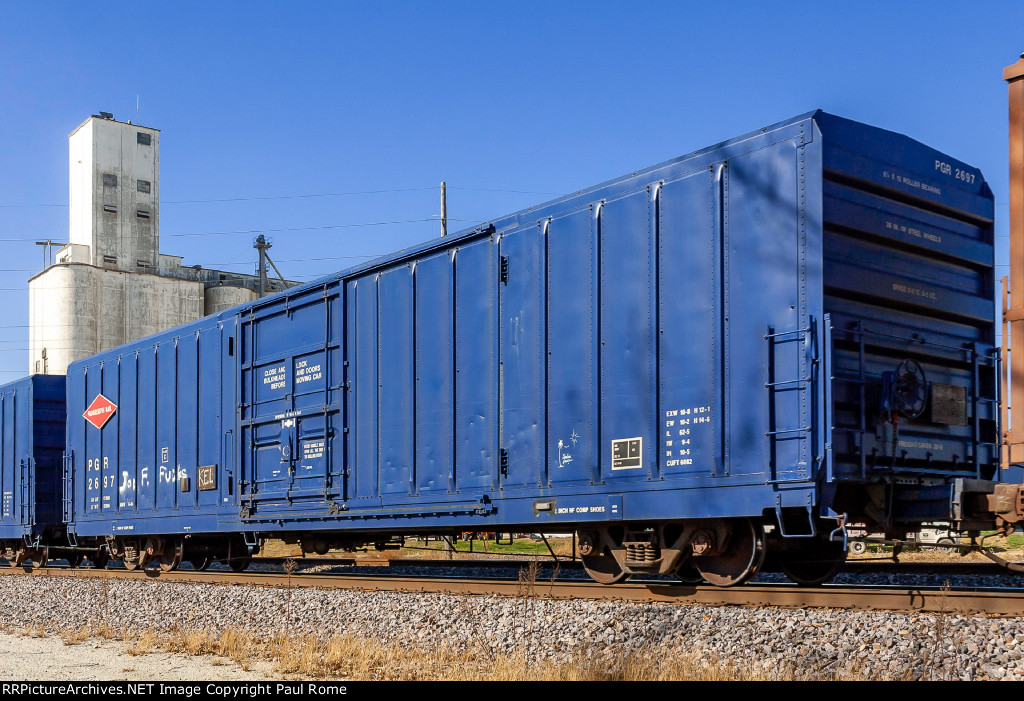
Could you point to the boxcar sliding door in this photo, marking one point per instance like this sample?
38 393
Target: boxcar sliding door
291 390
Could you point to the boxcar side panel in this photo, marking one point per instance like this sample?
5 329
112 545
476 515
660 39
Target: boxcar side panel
521 366
396 363
572 433
765 297
207 460
626 449
48 421
657 332
139 472
167 428
32 425
188 436
142 368
129 400
435 369
362 355
13 466
689 342
228 455
476 405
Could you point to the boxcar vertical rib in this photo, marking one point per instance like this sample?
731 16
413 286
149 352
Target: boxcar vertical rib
118 434
138 447
352 425
193 479
654 342
501 458
103 442
599 449
453 311
544 321
541 401
414 396
7 472
720 194
331 392
377 463
9 463
173 465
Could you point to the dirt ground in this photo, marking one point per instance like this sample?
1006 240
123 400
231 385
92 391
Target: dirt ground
28 658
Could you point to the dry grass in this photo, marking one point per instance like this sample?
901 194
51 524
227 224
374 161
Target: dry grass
1008 547
351 658
145 644
935 555
356 658
415 549
76 636
278 548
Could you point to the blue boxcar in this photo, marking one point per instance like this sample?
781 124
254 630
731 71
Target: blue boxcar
716 356
31 484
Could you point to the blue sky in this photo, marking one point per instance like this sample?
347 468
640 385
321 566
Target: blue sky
266 106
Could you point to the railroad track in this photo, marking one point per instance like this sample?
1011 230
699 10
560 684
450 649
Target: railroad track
887 598
856 567
886 566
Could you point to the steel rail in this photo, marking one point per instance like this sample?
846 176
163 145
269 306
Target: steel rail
917 599
878 566
857 567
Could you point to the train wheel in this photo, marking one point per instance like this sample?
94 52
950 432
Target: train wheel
201 564
597 559
18 558
99 559
810 573
739 561
239 564
603 569
858 547
75 559
40 558
688 574
170 558
816 567
169 561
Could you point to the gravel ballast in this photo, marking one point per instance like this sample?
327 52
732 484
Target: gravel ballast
875 644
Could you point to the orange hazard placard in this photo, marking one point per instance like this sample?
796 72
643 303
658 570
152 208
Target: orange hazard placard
100 411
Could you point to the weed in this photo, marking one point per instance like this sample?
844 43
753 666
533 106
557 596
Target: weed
555 571
526 591
144 645
289 569
935 666
76 635
526 588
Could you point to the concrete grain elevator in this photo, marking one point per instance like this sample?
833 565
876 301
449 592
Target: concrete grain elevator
110 284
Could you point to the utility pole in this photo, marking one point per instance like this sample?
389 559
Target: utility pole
444 211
